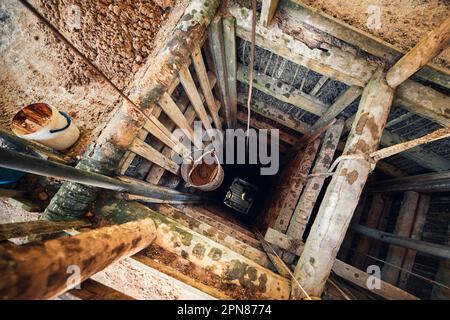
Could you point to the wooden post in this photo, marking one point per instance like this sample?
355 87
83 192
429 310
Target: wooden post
429 47
215 36
345 188
416 233
314 184
229 37
45 270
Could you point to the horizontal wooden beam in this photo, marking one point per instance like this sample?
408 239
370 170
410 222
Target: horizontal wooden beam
429 248
359 38
425 50
282 91
429 182
332 61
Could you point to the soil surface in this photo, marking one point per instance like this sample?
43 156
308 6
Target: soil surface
403 22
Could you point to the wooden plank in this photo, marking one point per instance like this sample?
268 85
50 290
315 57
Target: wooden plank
425 50
292 245
144 150
93 290
307 201
339 105
359 38
215 36
276 115
215 234
314 91
191 90
268 9
344 190
416 233
279 264
41 271
337 63
282 91
187 279
23 229
361 278
229 37
429 182
171 109
206 86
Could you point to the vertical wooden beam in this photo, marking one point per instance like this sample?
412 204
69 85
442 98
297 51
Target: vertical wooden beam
427 48
292 185
345 188
314 184
206 86
403 228
416 233
215 36
268 9
229 37
43 270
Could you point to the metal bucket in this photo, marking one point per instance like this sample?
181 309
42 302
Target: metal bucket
203 176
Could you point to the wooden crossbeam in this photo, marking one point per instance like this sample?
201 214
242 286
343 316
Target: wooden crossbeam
425 50
146 151
359 38
282 91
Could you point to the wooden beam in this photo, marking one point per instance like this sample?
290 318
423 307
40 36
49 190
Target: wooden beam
336 63
191 90
215 36
229 37
206 86
23 229
361 278
202 252
437 250
416 233
359 38
42 271
307 201
429 182
276 115
215 234
282 91
292 245
424 101
144 150
280 266
421 156
391 150
343 192
425 50
292 181
339 105
268 9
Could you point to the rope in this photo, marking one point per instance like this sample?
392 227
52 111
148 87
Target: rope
336 162
252 62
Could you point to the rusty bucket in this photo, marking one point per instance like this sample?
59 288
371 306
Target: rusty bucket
201 175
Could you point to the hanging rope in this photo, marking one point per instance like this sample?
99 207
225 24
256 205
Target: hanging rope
252 63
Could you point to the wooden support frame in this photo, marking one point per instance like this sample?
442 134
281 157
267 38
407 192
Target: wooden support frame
343 192
215 36
41 271
427 48
305 205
